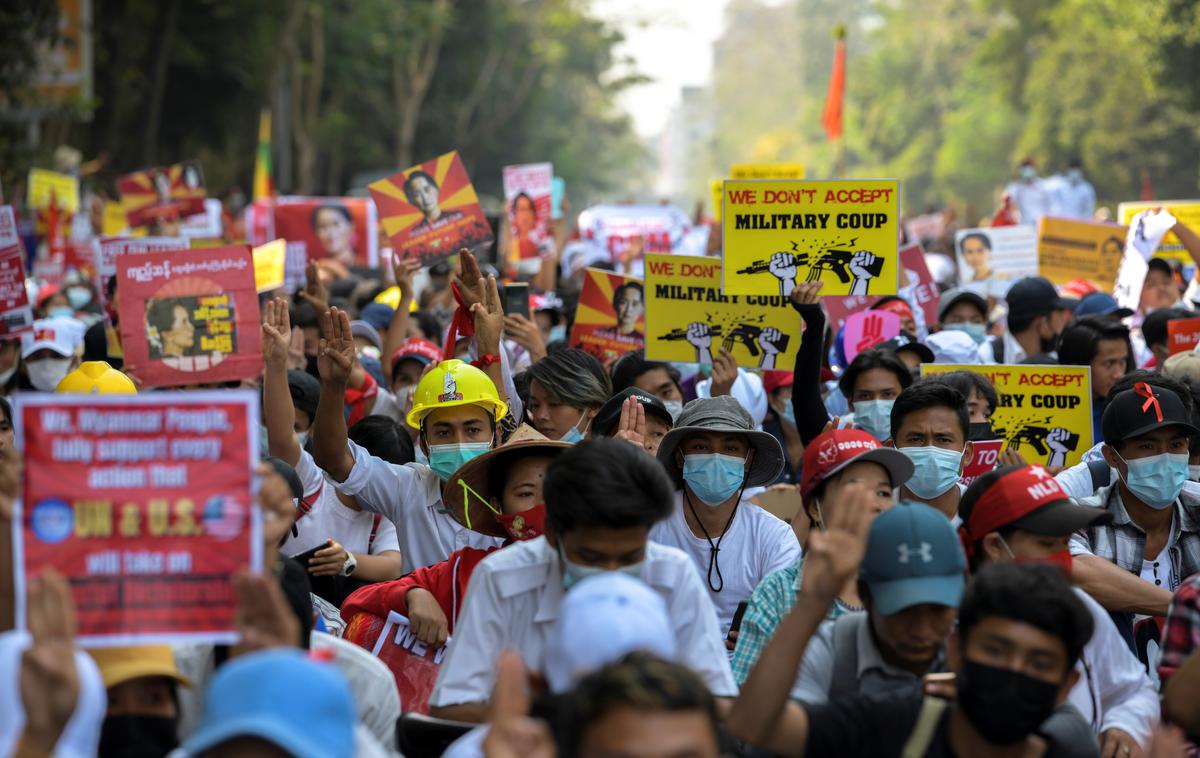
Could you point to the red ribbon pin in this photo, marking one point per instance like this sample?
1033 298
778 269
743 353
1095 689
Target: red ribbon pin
1143 390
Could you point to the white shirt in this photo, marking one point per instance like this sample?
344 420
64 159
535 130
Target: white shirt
512 602
1075 199
755 544
371 681
329 518
411 496
1113 690
1031 200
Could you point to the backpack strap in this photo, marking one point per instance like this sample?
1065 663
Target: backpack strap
924 728
1101 473
845 655
374 530
998 349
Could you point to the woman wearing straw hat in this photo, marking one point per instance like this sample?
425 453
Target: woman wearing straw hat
498 494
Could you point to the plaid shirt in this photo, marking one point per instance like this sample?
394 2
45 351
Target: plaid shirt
1124 543
772 599
1181 635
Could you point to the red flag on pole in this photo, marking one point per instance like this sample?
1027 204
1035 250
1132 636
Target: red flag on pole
1147 187
832 117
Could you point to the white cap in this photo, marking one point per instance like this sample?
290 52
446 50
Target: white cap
61 334
601 619
81 737
953 346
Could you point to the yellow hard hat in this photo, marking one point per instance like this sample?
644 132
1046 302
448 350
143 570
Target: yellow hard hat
391 297
454 383
96 378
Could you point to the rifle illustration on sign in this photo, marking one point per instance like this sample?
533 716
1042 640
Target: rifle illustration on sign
751 335
860 265
1054 442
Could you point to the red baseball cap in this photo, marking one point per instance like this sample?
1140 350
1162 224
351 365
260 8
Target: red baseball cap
1026 497
834 450
773 380
421 350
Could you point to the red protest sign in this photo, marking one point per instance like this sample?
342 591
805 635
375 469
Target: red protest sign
414 664
189 316
144 504
1183 334
341 228
110 248
611 318
430 211
985 458
15 313
165 192
866 329
528 190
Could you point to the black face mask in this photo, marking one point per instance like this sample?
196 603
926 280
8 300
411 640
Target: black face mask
1003 705
980 430
310 365
137 737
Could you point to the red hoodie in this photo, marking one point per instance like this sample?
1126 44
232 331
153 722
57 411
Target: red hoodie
446 581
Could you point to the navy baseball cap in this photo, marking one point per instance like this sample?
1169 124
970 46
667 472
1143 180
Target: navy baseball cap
1100 304
913 557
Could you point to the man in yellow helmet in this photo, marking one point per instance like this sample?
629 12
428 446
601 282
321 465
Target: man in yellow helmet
457 409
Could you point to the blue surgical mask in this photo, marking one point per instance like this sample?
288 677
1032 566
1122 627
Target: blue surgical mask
574 573
977 332
558 333
714 478
874 417
1157 480
302 437
1028 172
789 413
78 297
574 434
935 470
446 459
61 311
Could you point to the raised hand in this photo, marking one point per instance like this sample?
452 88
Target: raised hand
403 269
806 293
336 357
512 733
525 333
48 679
468 278
835 553
276 334
263 618
724 373
631 427
489 317
315 293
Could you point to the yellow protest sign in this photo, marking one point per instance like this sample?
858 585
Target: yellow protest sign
268 265
115 221
688 319
766 171
43 183
1045 412
714 187
1187 211
1071 248
842 232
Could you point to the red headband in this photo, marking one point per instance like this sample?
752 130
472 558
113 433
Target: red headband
1010 498
899 307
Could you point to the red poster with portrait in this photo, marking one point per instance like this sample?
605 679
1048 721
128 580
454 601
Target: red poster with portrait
189 316
316 228
16 315
527 194
430 211
611 318
144 503
173 192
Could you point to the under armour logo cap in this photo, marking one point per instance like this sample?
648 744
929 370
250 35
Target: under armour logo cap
913 557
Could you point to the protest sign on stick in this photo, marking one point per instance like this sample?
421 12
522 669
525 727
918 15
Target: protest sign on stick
1088 250
611 318
430 211
175 191
1045 412
689 320
16 315
779 233
144 503
1183 334
190 316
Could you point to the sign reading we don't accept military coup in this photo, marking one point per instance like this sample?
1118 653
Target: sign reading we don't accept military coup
841 232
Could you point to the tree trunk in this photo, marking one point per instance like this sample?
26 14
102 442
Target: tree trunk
306 79
412 71
158 88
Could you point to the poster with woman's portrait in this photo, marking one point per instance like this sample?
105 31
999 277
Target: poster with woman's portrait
165 192
1071 248
611 318
990 259
528 191
189 317
340 228
431 211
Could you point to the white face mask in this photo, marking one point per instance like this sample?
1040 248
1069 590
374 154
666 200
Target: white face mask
1193 471
45 374
674 407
